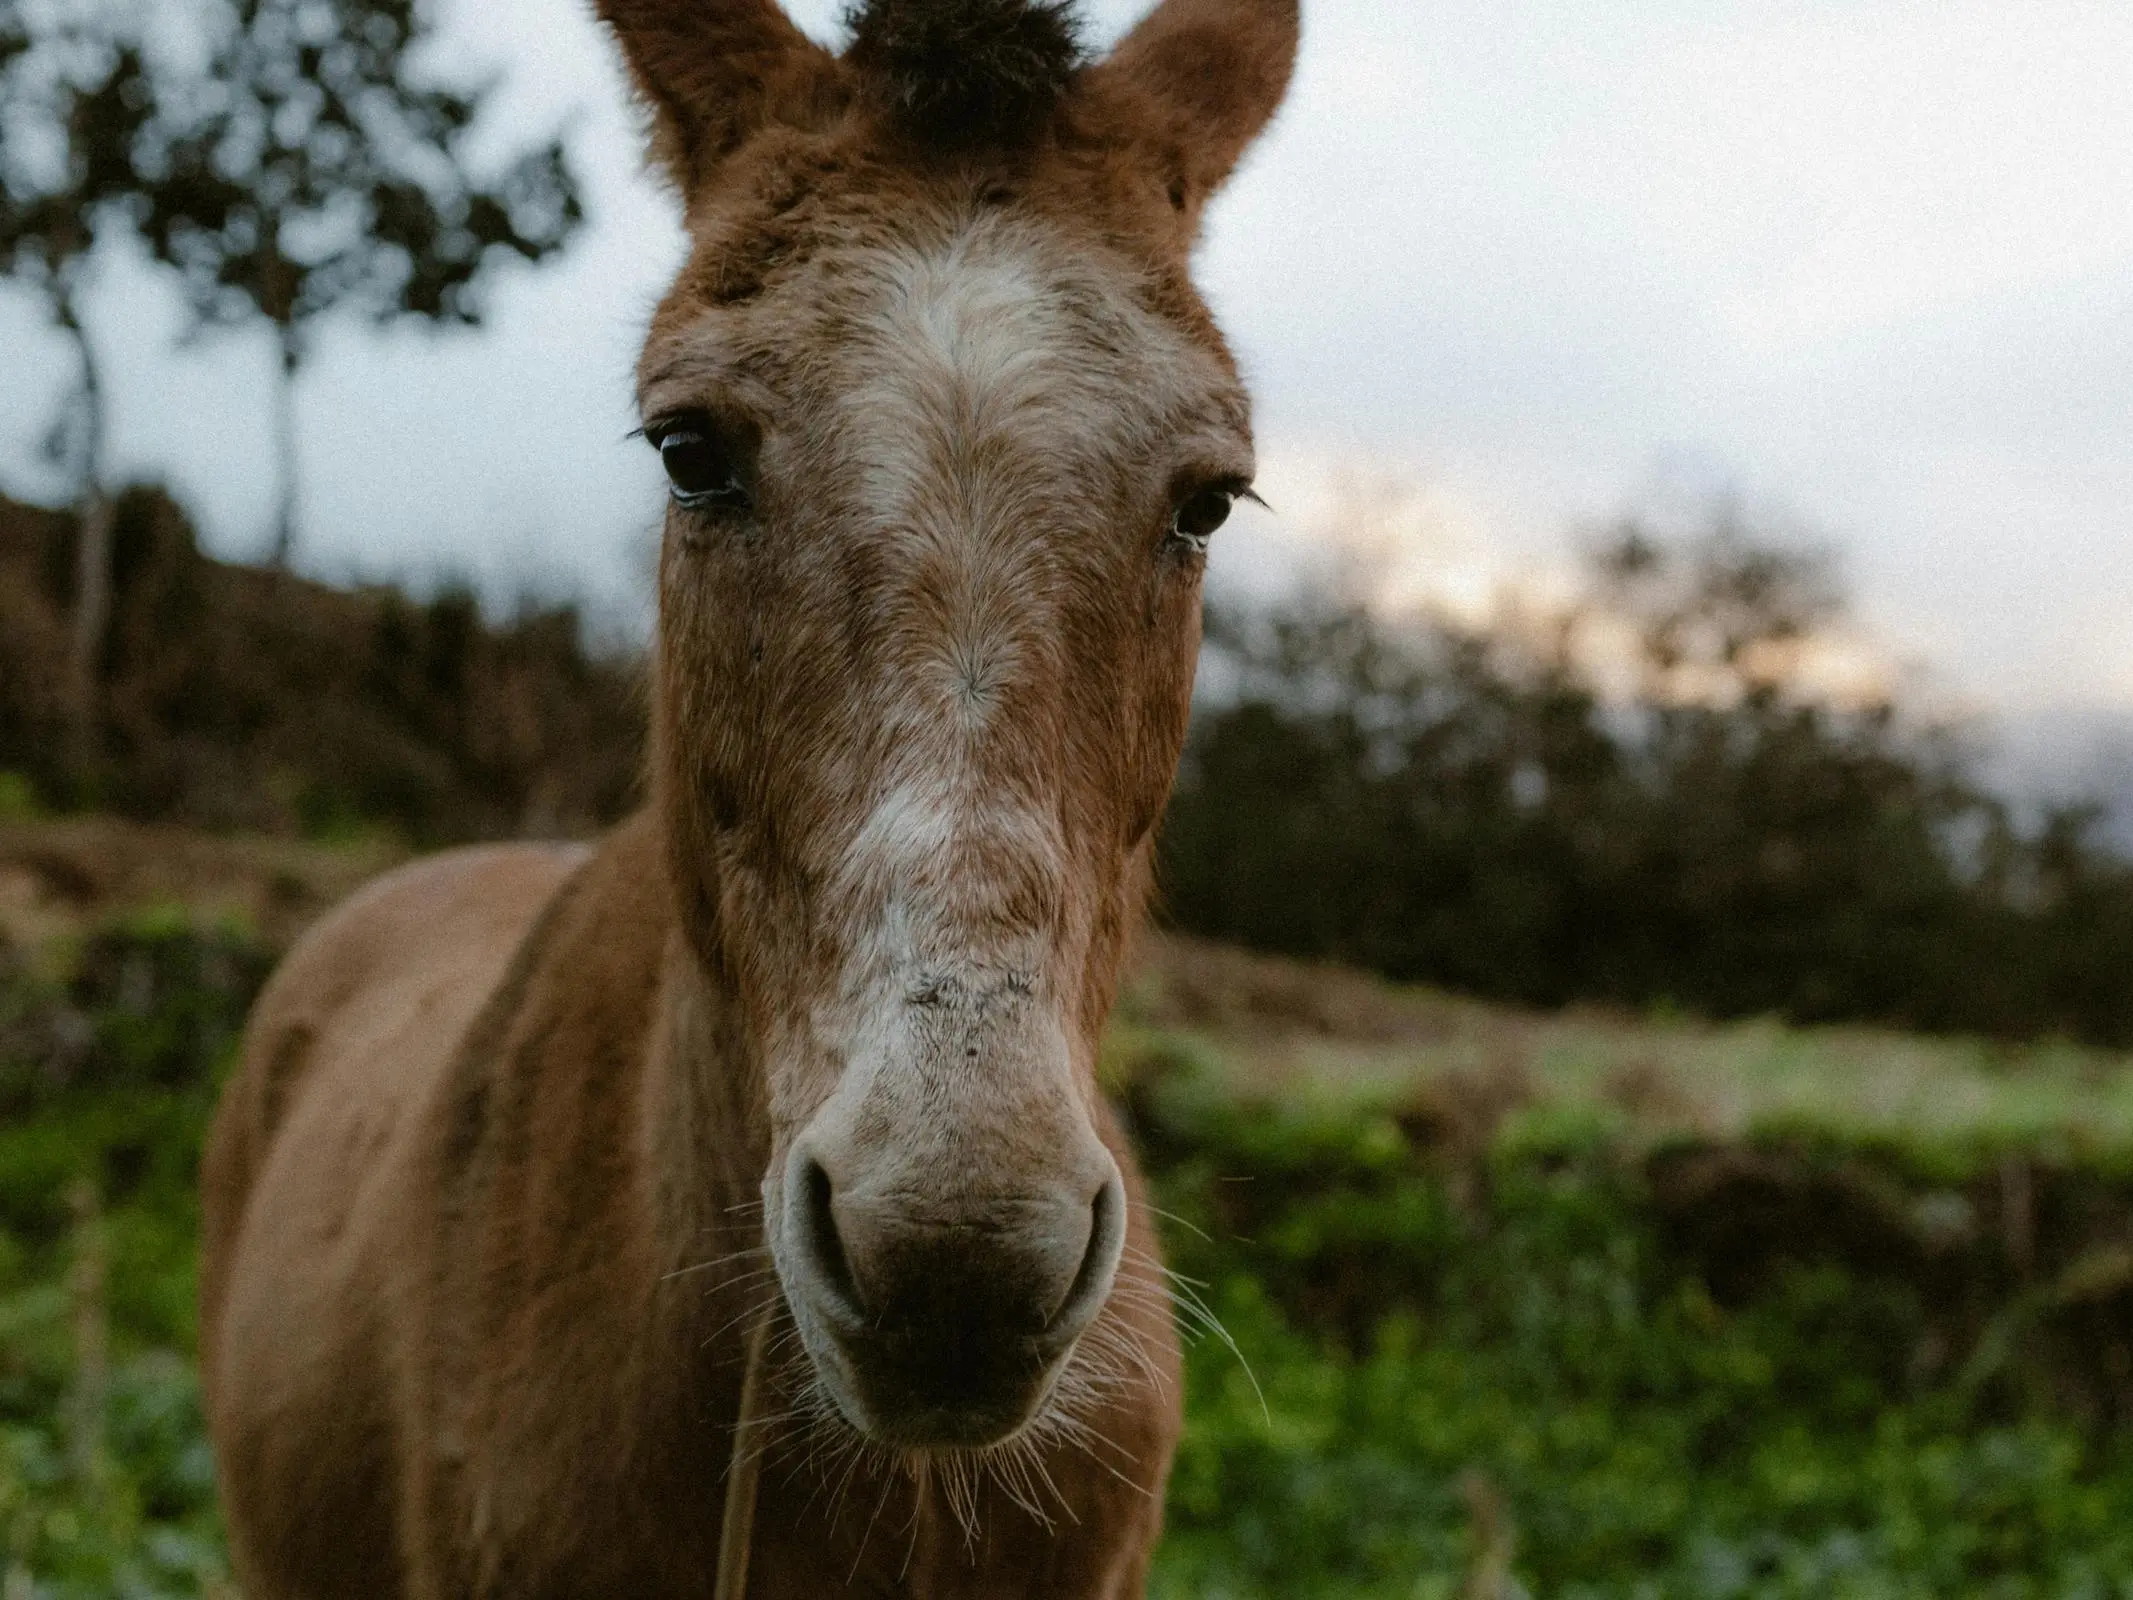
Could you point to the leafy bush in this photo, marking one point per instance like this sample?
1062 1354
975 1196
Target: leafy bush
107 1075
1641 800
1407 1367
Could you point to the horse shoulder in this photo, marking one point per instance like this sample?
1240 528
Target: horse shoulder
309 1145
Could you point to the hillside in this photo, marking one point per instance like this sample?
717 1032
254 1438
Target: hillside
236 697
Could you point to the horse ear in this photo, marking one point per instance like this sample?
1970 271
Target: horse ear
712 72
1204 77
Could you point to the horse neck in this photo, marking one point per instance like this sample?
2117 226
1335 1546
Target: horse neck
706 1132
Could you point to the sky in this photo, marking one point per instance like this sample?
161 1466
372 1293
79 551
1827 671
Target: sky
1500 272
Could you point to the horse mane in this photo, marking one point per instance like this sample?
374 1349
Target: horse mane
966 72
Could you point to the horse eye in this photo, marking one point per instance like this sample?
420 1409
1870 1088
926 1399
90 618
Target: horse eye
1201 513
703 468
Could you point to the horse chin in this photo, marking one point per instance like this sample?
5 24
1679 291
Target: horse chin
928 1407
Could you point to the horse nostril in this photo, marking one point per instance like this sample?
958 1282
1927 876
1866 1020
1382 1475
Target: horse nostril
1092 1279
820 1222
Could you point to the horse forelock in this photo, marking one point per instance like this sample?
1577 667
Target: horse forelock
958 72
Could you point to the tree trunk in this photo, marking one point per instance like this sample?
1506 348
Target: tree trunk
285 449
92 555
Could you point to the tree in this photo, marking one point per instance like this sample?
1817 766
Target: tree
1506 810
319 173
78 112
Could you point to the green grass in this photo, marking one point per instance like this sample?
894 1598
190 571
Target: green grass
108 1059
18 798
1553 1355
1500 1314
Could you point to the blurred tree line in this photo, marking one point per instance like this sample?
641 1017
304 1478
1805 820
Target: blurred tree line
238 697
283 160
1641 799
1646 798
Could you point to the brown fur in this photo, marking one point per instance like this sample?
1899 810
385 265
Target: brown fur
524 1139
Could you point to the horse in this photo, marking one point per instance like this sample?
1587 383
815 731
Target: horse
732 1202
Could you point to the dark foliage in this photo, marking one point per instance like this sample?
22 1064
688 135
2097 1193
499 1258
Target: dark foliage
149 1006
85 117
78 123
239 697
321 170
1713 1373
302 165
963 71
314 168
107 1074
1443 805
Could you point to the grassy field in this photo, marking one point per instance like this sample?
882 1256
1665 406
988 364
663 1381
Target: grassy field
1575 1305
1585 1305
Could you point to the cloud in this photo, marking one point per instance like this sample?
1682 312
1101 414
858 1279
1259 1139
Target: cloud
1872 260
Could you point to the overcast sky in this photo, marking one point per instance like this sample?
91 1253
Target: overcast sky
1500 271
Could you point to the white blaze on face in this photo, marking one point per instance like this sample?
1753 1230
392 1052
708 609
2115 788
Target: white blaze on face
994 389
911 861
997 339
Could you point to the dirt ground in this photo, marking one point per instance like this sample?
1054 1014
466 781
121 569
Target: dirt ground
61 876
